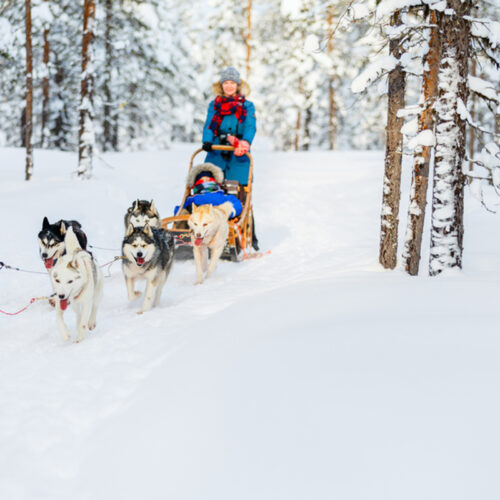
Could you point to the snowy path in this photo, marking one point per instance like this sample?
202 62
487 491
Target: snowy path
307 374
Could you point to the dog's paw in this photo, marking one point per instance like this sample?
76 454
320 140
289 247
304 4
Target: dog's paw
52 302
134 296
140 312
92 325
65 336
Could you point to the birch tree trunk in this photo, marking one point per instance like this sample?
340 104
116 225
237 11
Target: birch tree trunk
448 186
422 155
45 85
28 128
393 156
86 137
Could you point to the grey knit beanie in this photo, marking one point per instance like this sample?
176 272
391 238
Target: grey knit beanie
230 74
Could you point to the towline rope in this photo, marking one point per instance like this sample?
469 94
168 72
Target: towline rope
32 301
12 268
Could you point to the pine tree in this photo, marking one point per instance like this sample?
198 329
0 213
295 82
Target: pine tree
29 93
86 136
393 154
423 152
447 202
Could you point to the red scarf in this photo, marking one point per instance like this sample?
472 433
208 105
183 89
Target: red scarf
225 106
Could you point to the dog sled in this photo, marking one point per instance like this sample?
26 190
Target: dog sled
240 228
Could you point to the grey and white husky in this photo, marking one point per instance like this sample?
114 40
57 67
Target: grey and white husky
148 255
142 212
51 239
77 280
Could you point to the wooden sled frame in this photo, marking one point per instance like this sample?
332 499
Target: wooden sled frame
240 228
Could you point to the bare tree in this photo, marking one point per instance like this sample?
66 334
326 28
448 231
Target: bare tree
393 155
423 153
28 129
86 136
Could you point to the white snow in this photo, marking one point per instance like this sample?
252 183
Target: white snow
373 71
310 373
423 138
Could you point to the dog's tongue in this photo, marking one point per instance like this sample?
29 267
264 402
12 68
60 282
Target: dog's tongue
198 241
63 303
140 260
49 263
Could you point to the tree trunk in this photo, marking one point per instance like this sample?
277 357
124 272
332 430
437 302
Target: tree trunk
248 37
393 156
422 155
45 86
110 142
448 187
472 132
29 93
332 112
86 137
296 141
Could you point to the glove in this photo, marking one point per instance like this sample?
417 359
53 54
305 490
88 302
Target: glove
207 146
233 140
242 148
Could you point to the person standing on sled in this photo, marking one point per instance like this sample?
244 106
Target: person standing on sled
231 121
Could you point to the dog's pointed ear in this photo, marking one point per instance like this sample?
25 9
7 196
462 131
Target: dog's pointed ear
63 228
147 230
45 223
71 241
152 206
194 207
129 231
136 204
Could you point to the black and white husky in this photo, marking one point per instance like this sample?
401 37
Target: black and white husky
51 240
77 280
142 212
148 255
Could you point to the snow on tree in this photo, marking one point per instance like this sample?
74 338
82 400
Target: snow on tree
447 201
86 136
424 143
28 126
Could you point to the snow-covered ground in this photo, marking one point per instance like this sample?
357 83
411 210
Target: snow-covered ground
311 373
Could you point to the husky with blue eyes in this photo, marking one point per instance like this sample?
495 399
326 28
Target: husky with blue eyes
76 280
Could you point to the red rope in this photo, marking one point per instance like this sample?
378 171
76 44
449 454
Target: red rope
33 300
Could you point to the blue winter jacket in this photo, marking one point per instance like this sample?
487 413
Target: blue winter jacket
235 168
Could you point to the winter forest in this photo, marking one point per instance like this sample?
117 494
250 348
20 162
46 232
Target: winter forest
420 78
345 346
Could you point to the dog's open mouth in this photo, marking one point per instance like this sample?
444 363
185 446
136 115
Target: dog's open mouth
63 303
49 263
140 261
198 241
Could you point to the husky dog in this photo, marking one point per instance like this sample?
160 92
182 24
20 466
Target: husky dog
77 280
209 229
142 212
51 240
148 254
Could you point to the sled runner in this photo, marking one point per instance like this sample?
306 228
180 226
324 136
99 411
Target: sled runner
240 228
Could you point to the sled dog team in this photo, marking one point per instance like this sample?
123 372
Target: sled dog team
147 254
